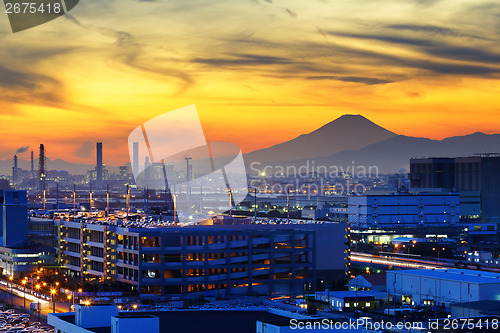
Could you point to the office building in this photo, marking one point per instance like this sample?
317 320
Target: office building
403 210
14 210
442 287
225 260
17 255
464 174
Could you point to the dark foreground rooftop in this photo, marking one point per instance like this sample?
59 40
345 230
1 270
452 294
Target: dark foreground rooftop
206 321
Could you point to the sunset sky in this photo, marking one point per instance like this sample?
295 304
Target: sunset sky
259 72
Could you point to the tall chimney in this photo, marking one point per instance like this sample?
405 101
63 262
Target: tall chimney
32 162
41 168
99 167
14 171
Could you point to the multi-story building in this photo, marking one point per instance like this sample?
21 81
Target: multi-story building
18 255
464 174
403 210
224 259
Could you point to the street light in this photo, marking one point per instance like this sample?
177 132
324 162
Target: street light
10 286
53 292
24 293
434 249
37 287
69 302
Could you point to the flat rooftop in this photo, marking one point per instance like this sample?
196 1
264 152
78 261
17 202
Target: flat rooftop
462 275
191 321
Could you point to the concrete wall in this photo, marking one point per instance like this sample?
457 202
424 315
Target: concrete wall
97 315
134 324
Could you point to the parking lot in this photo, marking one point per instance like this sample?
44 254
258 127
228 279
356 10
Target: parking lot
14 321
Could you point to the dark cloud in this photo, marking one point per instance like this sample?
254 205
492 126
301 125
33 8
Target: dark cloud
477 59
29 88
243 60
355 79
457 69
15 79
290 12
131 52
387 38
433 30
465 54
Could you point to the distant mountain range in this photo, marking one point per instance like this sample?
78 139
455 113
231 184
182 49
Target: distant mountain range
349 132
351 140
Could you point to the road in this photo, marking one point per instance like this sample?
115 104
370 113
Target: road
387 260
17 298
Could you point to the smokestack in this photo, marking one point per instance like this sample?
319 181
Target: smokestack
32 162
14 171
99 167
41 168
135 157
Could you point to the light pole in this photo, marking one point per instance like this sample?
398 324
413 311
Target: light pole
53 292
69 301
38 309
24 293
434 249
10 287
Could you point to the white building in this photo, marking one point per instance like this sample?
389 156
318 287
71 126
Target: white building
442 286
403 210
98 316
482 257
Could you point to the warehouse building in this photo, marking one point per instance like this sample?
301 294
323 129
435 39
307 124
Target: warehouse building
442 287
403 210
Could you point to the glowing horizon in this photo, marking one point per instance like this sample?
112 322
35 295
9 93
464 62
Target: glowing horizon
259 72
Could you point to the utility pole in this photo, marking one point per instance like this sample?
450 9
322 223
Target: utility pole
90 199
287 206
74 199
57 196
44 196
107 200
128 200
255 204
187 177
